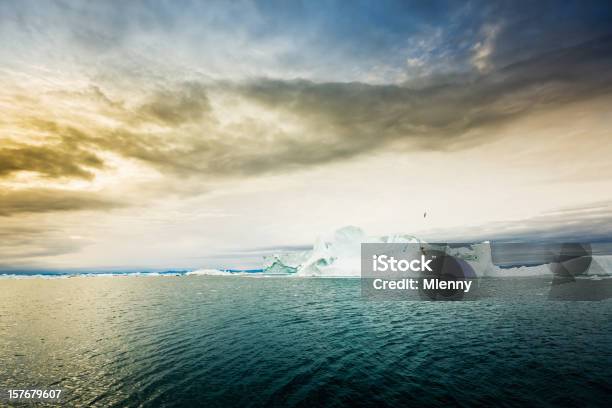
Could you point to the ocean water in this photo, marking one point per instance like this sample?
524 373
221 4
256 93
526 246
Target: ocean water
185 341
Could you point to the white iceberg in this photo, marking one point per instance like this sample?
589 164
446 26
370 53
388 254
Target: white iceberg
285 263
338 254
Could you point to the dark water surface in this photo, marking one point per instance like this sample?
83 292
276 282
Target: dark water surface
230 341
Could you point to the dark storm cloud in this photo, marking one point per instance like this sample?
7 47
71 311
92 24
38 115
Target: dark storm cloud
534 28
56 160
586 223
334 121
19 242
343 120
48 200
187 104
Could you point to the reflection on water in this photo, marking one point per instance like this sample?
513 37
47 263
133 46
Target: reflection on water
178 341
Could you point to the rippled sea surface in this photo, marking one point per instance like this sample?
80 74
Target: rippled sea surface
229 341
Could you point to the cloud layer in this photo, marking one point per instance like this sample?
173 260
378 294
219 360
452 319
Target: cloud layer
275 125
107 106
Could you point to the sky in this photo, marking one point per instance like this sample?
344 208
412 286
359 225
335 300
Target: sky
179 134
